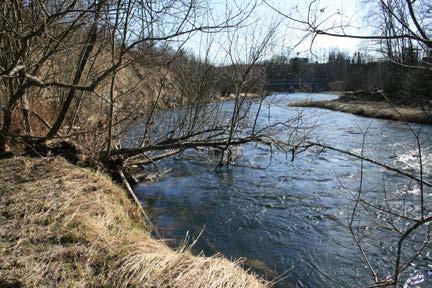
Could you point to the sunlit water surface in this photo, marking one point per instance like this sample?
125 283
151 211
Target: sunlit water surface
290 219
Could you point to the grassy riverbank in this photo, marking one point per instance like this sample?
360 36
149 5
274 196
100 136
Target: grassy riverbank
373 109
64 226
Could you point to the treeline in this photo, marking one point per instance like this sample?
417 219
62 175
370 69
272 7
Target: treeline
344 73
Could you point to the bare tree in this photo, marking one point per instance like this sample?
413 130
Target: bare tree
201 120
66 69
40 35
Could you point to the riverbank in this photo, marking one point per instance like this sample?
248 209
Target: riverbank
64 226
372 109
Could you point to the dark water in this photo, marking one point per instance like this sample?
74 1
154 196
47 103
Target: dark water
292 217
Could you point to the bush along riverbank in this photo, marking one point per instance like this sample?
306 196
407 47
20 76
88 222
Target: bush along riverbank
65 226
373 106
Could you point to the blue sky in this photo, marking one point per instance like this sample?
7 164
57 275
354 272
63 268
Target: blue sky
288 38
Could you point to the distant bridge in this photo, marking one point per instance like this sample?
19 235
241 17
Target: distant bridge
292 84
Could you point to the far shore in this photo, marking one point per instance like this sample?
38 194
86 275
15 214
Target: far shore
372 109
366 107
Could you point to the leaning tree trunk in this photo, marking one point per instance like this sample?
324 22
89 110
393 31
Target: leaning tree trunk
84 56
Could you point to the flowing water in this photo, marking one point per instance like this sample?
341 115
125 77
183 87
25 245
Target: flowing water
290 218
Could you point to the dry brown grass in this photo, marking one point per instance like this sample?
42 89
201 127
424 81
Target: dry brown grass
63 226
373 109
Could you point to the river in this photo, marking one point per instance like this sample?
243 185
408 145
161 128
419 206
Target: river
290 218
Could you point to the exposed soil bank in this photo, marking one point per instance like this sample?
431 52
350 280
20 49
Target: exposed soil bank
373 109
64 226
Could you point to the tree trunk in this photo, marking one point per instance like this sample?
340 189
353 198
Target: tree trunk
26 115
7 118
85 53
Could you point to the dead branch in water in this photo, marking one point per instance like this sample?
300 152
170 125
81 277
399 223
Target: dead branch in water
132 194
